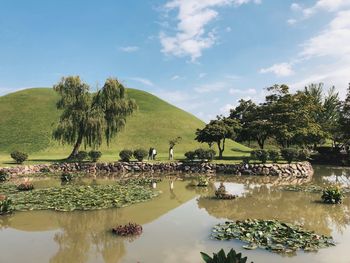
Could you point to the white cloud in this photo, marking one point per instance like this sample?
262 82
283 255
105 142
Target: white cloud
228 29
191 36
129 49
280 70
292 21
242 91
175 77
232 77
211 87
295 7
144 81
202 75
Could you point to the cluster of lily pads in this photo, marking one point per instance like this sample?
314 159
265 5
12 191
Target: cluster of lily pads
130 229
271 235
220 257
310 188
70 197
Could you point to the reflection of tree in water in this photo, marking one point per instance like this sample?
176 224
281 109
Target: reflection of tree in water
88 231
294 207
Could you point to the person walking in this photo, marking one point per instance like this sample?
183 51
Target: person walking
171 153
154 153
150 154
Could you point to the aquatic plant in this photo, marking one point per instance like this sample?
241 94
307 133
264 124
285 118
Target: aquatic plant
26 186
5 205
19 157
232 257
70 197
221 193
202 181
3 176
130 229
272 235
66 177
332 195
311 188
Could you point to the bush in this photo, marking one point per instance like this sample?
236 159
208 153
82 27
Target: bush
19 157
127 230
274 155
261 155
125 155
190 155
140 154
332 195
246 160
200 154
303 155
232 257
81 156
25 186
203 154
289 154
5 204
210 154
95 155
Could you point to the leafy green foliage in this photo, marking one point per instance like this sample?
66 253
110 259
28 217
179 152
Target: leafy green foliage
3 176
174 141
289 154
26 186
95 155
66 177
140 154
71 197
217 131
261 155
303 155
5 205
86 117
332 195
125 155
205 154
274 155
190 155
272 235
19 157
202 181
130 229
81 156
220 257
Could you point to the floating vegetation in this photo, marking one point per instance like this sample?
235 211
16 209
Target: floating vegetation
5 205
310 188
69 197
130 229
221 193
26 186
332 195
4 176
202 181
66 177
142 181
232 257
272 235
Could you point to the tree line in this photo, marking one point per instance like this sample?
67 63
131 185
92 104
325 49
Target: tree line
303 119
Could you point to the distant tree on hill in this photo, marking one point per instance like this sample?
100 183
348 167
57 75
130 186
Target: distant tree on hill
87 117
217 131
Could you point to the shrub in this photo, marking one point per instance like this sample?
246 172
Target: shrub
5 204
140 154
4 176
332 195
125 155
289 154
261 155
274 155
246 160
66 177
95 155
127 230
190 155
303 155
200 154
232 257
210 154
19 157
81 156
26 186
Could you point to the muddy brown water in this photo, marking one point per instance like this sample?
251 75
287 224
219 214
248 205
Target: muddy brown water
177 224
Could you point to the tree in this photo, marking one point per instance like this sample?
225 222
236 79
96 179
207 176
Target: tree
217 131
86 117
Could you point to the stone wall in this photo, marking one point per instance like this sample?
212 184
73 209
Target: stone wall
297 170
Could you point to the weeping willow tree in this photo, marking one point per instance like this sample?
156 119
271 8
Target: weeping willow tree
86 118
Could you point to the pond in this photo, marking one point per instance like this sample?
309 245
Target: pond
177 224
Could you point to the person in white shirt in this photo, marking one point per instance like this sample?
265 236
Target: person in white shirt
171 153
154 153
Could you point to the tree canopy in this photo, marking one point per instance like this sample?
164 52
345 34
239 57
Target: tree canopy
88 117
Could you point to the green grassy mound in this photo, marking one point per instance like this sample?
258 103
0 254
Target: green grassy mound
28 117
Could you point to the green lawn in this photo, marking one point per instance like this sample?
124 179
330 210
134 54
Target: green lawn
28 117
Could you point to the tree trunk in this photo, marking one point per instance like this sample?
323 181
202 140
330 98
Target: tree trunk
221 149
76 148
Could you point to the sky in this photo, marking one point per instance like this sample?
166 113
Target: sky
200 55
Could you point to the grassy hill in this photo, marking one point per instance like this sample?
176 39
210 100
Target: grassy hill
27 118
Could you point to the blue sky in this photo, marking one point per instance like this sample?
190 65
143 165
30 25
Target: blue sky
201 55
